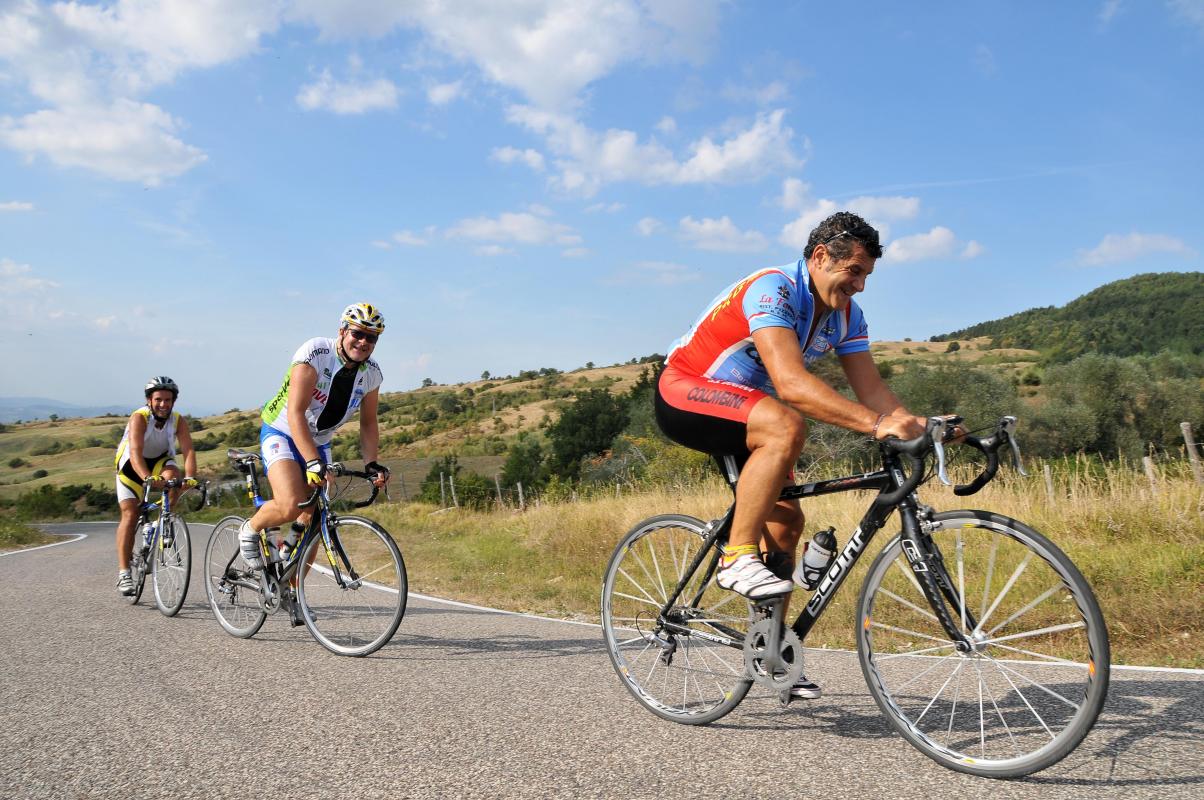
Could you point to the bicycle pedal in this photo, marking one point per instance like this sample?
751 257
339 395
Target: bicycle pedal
785 698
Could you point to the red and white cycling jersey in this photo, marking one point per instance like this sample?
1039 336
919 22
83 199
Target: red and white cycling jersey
720 346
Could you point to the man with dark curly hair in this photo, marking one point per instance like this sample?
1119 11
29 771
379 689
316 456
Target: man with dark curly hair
737 384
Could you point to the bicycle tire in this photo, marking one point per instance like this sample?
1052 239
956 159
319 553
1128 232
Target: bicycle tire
355 618
232 589
171 567
1044 668
138 568
657 666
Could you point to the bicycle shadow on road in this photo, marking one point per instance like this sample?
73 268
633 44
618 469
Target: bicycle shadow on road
1149 733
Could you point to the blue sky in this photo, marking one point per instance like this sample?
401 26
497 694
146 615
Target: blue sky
195 187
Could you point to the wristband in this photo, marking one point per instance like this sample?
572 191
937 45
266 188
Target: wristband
874 432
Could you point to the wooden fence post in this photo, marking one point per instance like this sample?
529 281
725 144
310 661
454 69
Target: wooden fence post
1049 492
442 492
522 506
498 483
1148 463
451 481
1194 456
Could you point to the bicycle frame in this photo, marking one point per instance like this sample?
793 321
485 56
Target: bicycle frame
925 562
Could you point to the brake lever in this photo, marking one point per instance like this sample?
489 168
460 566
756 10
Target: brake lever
1009 427
938 445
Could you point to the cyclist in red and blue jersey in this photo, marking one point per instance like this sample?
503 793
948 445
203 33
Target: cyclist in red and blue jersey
737 383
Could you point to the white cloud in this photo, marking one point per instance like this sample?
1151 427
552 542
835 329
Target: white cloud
127 141
984 60
327 94
19 278
938 243
794 194
492 250
720 234
648 226
1108 11
878 211
412 239
666 125
575 252
518 228
1130 247
658 273
444 93
771 93
16 205
605 208
509 155
588 159
1190 10
104 323
88 63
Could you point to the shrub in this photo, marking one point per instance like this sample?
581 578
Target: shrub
41 473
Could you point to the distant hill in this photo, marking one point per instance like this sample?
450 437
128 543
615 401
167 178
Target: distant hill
31 408
1143 314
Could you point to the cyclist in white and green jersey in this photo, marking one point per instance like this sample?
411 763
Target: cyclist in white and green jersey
328 380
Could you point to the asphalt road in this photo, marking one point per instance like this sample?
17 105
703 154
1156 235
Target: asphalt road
101 699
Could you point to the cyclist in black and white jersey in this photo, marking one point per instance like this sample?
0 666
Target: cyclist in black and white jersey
327 381
147 452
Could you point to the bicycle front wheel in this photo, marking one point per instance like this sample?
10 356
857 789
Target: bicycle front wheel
352 597
231 586
171 565
688 666
1036 675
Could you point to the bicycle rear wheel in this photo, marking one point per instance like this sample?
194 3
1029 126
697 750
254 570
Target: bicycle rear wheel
694 672
231 586
353 598
171 565
138 568
1036 677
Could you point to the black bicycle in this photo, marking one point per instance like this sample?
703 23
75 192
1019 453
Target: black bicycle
165 550
351 601
979 639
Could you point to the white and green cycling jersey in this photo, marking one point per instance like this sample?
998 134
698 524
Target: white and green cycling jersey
340 390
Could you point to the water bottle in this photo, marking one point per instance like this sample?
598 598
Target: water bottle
288 543
148 531
817 557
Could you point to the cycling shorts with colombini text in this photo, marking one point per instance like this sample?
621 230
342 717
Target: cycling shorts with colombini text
276 446
704 413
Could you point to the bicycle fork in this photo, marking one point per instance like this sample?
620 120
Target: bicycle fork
928 567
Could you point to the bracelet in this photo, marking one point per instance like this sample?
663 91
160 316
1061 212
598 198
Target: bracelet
874 432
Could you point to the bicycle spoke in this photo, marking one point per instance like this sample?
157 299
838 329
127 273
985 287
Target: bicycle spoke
910 604
1007 587
1039 632
1044 596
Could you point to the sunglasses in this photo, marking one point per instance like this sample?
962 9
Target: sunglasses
361 336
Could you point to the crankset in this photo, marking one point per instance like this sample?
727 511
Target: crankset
773 655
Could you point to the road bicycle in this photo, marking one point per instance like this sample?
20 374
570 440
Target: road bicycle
980 641
351 601
166 548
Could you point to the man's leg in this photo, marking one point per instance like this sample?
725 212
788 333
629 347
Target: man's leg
775 436
125 544
287 480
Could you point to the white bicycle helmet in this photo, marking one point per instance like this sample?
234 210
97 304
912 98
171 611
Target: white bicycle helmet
162 382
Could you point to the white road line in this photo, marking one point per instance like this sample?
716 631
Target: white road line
491 610
77 537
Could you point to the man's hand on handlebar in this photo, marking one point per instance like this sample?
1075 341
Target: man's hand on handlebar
380 472
901 425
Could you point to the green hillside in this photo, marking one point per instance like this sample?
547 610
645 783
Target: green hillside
1144 314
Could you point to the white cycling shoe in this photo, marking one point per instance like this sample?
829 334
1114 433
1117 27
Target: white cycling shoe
249 544
749 576
808 690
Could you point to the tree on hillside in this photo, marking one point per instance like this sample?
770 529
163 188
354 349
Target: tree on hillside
586 427
525 463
